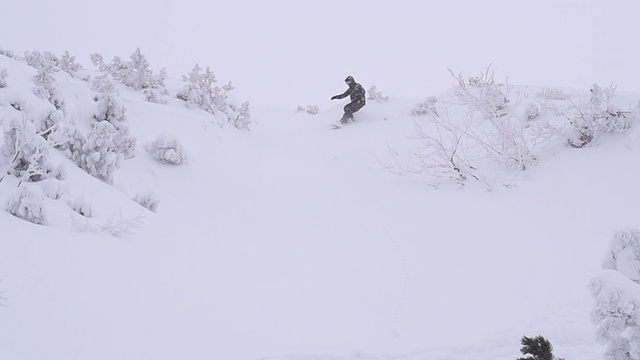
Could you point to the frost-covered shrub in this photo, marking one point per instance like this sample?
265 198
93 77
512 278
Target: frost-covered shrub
532 111
624 254
201 92
309 109
7 53
483 94
68 64
28 151
68 138
28 204
552 94
599 115
52 190
427 107
49 61
18 104
167 150
81 206
616 291
60 172
44 60
3 77
376 95
124 144
152 96
47 87
48 122
110 107
147 200
99 157
134 73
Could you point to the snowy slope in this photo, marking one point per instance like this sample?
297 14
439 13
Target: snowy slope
292 241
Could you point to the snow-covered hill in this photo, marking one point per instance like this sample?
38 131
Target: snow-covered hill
295 241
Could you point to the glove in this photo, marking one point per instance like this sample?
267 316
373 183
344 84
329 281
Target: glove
334 97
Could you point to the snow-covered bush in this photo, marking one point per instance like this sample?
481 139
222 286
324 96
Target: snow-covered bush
167 150
68 64
112 110
532 111
153 97
52 189
201 92
60 172
110 107
47 86
309 109
3 77
134 73
376 95
624 254
426 108
599 115
38 60
552 94
49 61
8 53
48 122
100 157
475 134
68 138
147 200
81 206
28 204
28 151
616 291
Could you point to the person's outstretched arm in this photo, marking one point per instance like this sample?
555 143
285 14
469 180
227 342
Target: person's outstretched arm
343 95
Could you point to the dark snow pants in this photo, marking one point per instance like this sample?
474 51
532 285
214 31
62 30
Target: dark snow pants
351 108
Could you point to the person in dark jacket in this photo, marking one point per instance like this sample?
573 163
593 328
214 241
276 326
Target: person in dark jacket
356 93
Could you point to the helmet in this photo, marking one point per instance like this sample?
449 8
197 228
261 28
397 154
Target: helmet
349 79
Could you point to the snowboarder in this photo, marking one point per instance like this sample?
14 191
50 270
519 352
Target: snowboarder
356 92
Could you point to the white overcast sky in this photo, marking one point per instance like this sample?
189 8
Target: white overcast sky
287 53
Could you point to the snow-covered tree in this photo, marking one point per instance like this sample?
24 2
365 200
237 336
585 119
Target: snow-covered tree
167 150
100 157
68 138
200 91
110 107
47 86
51 62
152 96
28 152
27 203
3 77
616 291
68 64
112 110
135 73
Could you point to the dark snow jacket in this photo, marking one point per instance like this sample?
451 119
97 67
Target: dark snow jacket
355 91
